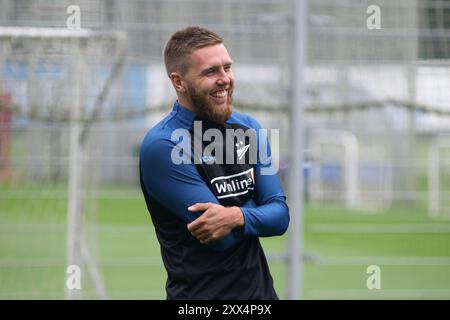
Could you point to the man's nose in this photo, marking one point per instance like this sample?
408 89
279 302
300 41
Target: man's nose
224 78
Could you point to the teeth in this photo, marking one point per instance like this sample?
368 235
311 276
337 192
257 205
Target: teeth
220 94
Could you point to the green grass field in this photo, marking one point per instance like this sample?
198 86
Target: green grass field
412 251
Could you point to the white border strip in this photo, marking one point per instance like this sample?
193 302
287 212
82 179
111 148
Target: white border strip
379 294
379 228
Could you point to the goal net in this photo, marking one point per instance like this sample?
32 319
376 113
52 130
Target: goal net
55 82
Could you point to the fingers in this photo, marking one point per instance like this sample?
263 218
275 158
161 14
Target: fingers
200 230
197 223
199 207
205 238
205 234
195 230
204 227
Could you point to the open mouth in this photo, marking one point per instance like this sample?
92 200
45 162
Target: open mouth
219 94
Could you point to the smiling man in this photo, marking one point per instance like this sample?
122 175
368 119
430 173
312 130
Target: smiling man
209 215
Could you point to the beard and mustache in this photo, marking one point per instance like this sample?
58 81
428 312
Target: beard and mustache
206 109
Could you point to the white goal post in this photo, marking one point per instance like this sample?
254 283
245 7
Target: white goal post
437 148
350 147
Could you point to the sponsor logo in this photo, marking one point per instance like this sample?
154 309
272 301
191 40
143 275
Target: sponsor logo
241 149
208 159
234 185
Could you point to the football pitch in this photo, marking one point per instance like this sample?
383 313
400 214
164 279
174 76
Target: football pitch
411 250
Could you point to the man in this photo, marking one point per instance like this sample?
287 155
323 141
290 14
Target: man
208 215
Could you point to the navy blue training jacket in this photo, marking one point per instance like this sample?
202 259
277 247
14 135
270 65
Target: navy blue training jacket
233 267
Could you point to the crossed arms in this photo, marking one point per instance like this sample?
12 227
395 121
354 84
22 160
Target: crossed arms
181 190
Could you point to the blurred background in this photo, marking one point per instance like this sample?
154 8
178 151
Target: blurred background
76 103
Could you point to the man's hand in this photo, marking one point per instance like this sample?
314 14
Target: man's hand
216 221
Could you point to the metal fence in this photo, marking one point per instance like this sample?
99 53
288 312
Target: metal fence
377 107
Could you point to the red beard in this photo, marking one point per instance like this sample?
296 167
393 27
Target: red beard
204 107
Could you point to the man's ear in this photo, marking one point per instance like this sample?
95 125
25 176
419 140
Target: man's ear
177 82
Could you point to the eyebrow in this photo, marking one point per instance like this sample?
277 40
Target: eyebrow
215 68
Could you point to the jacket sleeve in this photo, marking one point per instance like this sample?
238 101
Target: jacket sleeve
270 215
178 186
